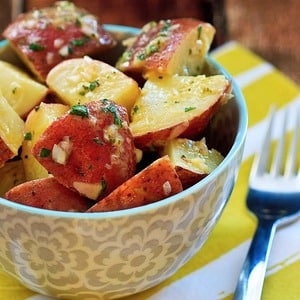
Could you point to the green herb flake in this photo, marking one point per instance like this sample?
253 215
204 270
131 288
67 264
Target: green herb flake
166 26
36 47
93 85
14 90
45 152
70 50
187 109
103 185
77 22
199 31
135 109
98 141
112 109
79 110
141 56
127 55
28 136
79 42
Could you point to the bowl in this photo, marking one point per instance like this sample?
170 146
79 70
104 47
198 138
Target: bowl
109 255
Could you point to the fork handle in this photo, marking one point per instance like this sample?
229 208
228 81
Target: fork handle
251 279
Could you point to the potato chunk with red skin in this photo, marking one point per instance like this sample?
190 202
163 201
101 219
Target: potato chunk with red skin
47 193
192 159
176 106
157 181
43 38
168 47
90 149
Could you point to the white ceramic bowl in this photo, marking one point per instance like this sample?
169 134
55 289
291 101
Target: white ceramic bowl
114 254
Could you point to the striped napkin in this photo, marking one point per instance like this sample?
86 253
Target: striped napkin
213 272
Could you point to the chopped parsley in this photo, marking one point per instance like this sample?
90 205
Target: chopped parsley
89 88
28 136
135 109
103 185
112 109
79 110
199 31
93 85
45 152
77 22
79 42
141 56
166 26
36 47
186 109
70 50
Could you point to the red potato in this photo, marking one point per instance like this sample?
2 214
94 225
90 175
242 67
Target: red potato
156 182
90 149
43 38
176 106
47 193
168 47
192 159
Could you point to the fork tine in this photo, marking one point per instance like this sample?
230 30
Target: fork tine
261 158
291 163
278 157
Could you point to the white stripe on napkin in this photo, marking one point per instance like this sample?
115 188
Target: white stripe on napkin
254 74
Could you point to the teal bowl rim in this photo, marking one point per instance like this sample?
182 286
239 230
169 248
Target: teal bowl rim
236 147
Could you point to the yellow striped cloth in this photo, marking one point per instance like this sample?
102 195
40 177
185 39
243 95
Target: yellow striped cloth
212 273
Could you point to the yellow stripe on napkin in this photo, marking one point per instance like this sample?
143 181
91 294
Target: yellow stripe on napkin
283 284
12 289
271 88
236 59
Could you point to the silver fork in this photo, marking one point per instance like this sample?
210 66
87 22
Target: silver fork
274 197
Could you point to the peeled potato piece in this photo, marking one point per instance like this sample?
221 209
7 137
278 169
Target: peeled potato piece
11 131
82 80
156 182
21 91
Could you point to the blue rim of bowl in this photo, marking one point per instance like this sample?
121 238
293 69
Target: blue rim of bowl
236 147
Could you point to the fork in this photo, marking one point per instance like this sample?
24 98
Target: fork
274 197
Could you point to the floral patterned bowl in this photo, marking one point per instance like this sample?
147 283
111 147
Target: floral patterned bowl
110 255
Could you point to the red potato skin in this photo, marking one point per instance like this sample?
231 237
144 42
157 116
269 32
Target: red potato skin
47 193
155 139
145 187
94 158
189 129
44 31
5 153
157 61
187 177
198 124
